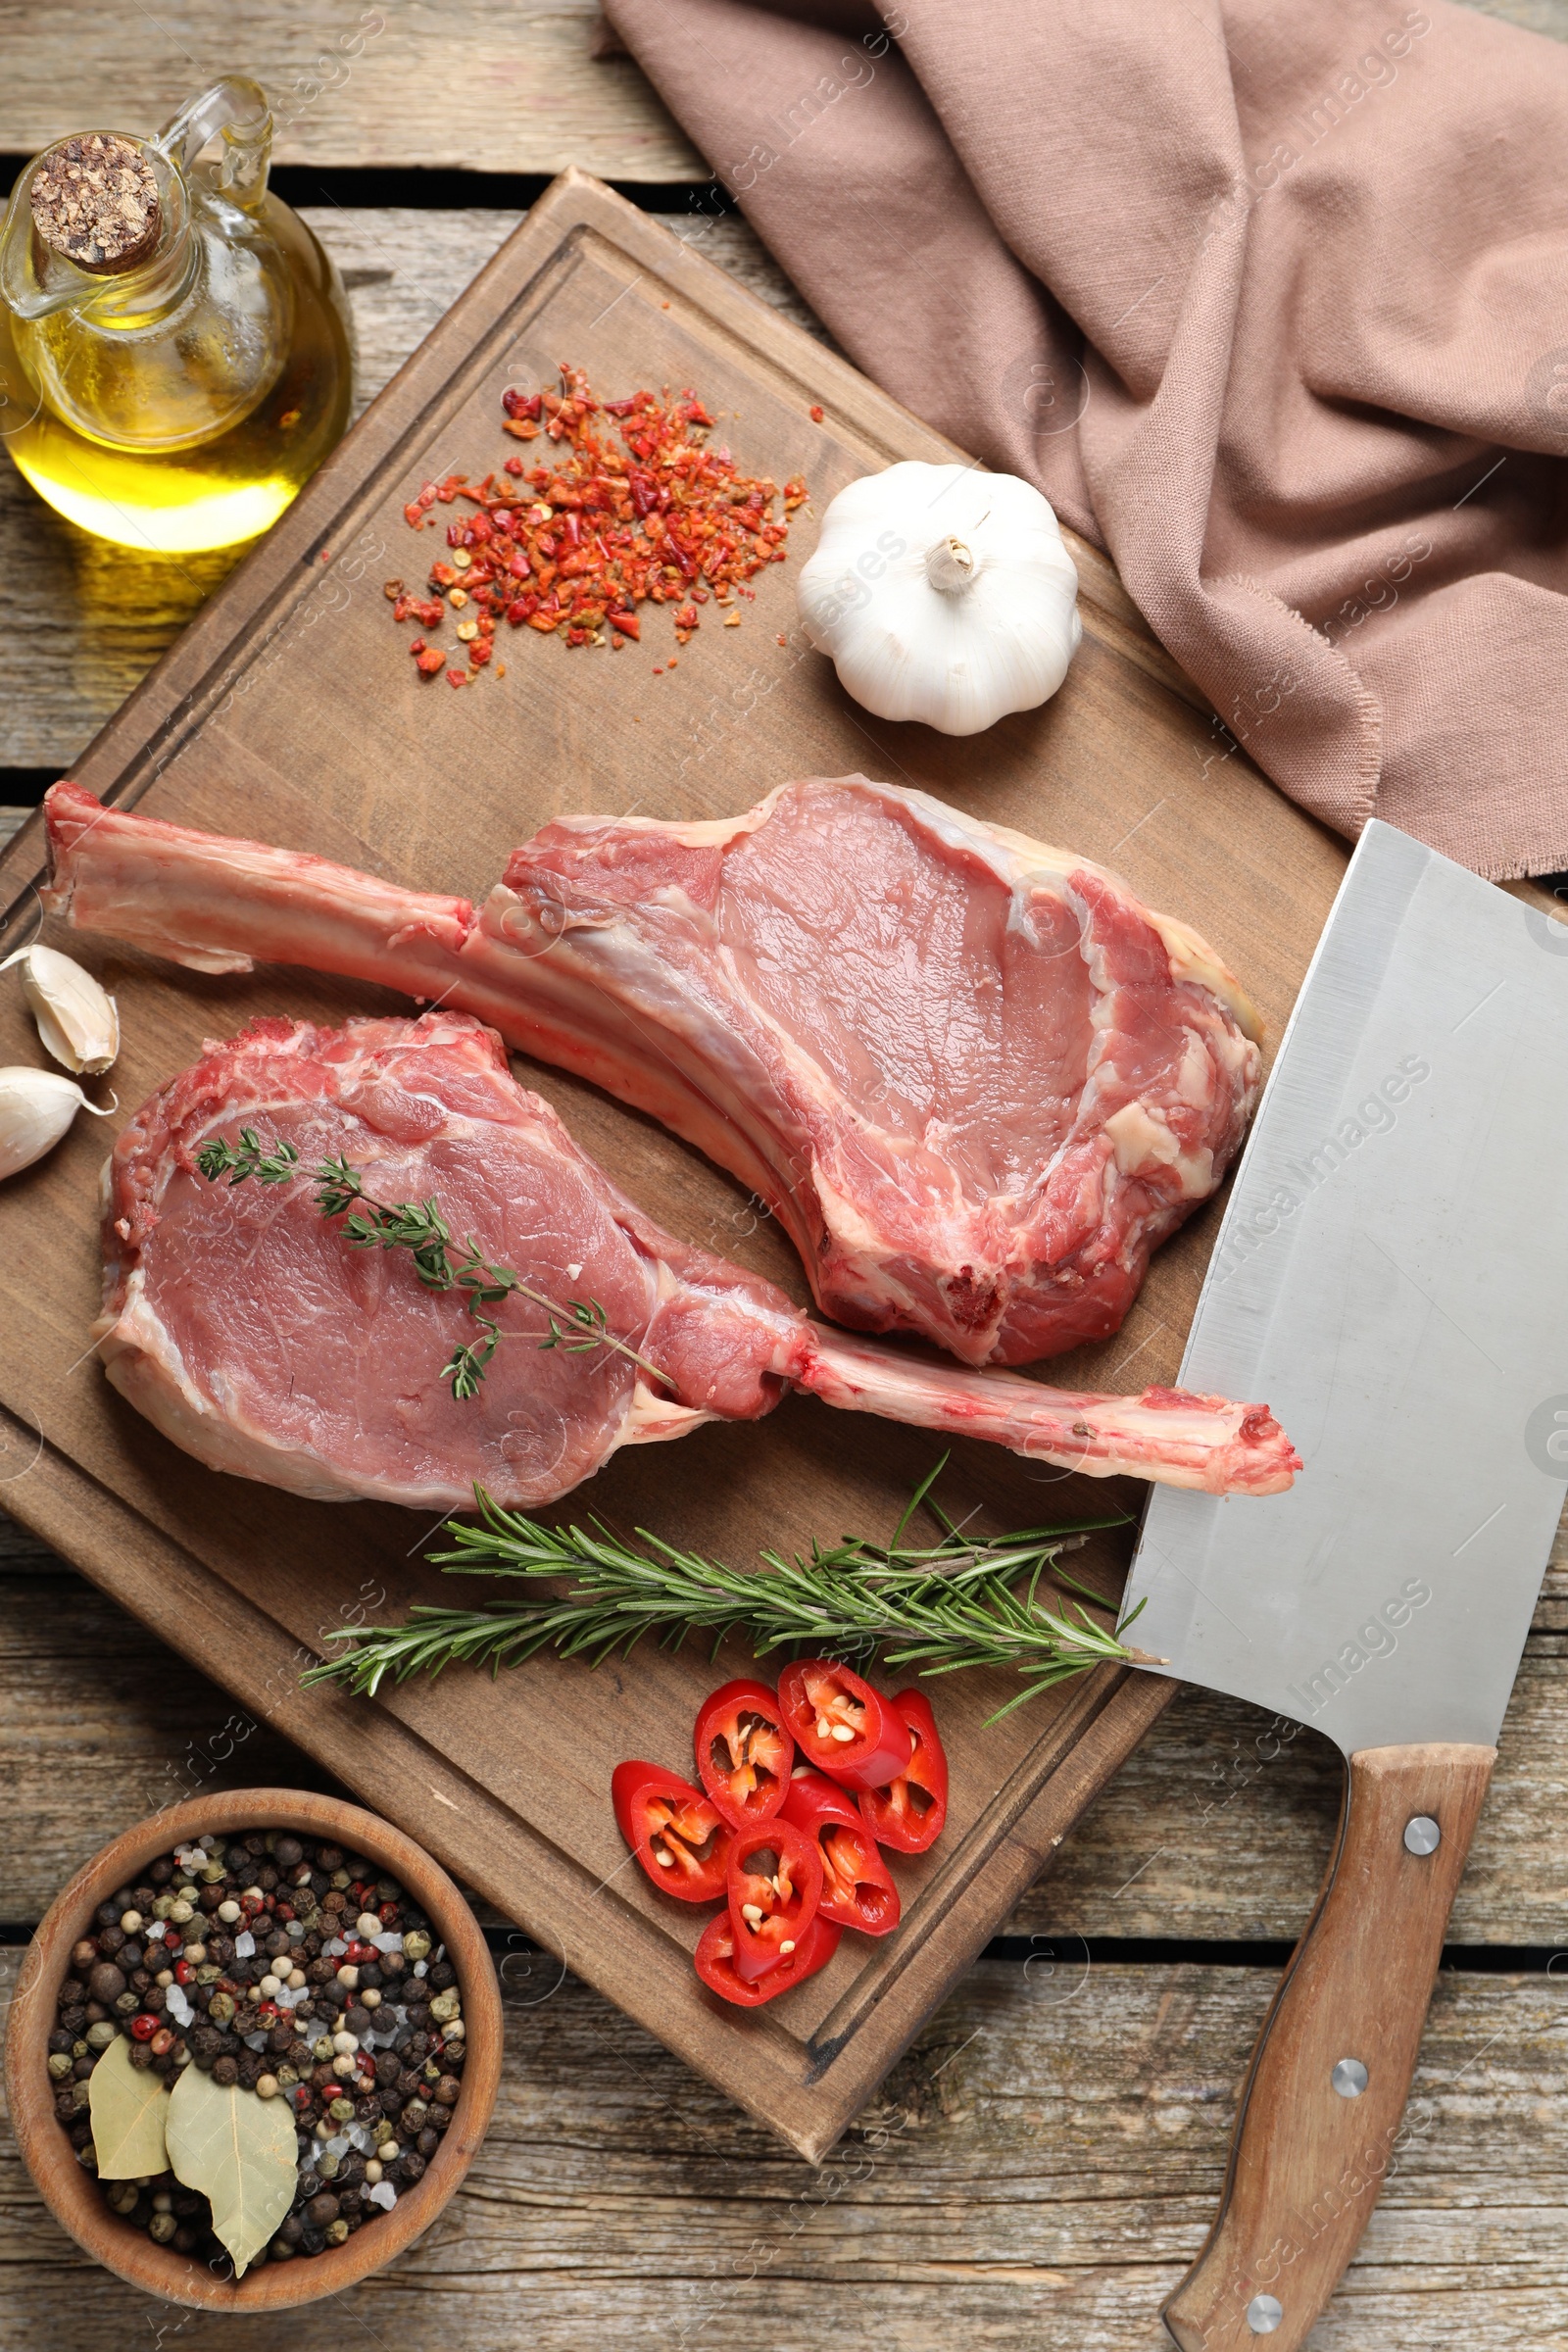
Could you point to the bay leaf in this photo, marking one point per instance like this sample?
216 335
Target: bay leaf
240 2152
126 2108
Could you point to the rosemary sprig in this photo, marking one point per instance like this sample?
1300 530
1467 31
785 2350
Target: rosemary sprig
939 1607
419 1227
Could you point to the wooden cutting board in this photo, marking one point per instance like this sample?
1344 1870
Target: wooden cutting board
291 712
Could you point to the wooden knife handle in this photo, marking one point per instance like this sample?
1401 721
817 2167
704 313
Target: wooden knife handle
1311 2148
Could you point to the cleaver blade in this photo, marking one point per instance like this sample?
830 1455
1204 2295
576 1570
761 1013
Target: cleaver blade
1390 1274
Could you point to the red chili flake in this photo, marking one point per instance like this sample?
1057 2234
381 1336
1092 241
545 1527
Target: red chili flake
454 677
815 413
430 659
649 513
412 515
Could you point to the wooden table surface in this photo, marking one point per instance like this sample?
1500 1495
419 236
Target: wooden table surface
1043 2165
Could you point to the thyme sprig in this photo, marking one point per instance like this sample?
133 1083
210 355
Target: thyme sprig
939 1607
419 1227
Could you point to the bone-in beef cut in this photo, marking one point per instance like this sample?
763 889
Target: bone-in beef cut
974 1079
243 1322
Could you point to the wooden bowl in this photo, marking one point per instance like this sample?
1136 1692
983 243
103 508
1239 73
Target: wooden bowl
74 2196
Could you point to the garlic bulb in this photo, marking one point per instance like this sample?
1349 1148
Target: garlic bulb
942 594
77 1020
36 1106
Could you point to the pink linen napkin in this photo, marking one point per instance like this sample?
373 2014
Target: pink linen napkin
1270 300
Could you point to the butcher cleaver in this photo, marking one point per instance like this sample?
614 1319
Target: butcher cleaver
1392 1275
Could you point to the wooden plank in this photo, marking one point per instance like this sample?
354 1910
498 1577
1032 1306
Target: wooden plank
1039 2170
81 622
473 85
1117 762
1217 1827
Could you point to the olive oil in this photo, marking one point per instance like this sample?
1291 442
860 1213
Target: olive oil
180 401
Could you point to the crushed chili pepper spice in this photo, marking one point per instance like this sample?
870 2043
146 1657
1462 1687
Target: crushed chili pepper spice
662 519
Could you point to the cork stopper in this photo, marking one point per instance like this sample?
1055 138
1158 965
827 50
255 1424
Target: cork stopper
95 200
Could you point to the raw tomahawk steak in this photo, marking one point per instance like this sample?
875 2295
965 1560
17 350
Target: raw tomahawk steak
973 1078
244 1324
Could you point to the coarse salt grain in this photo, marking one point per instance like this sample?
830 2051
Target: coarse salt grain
331 1949
244 1945
382 2194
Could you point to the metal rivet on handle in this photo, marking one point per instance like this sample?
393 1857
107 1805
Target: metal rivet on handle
1422 1835
1264 2314
1348 2078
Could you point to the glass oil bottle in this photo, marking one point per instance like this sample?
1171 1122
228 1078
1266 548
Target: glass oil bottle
175 354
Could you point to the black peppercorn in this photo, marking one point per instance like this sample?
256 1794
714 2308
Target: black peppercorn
442 1974
411 2164
428 2141
59 2039
111 1938
321 2210
107 1914
289 1854
162 1871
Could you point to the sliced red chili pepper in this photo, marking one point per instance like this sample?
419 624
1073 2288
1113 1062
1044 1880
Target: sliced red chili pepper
908 1814
858 1891
714 1957
839 1725
673 1831
773 1886
744 1754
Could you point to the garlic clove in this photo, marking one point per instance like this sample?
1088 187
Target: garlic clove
36 1106
77 1020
